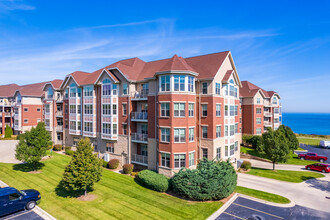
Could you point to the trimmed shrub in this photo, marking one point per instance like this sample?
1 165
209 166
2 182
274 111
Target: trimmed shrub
128 168
67 148
246 165
153 180
113 164
69 152
57 147
104 164
210 181
254 140
8 131
134 174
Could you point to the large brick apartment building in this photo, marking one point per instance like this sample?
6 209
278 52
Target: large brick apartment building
261 109
162 115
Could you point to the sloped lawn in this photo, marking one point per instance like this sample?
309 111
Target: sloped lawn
117 196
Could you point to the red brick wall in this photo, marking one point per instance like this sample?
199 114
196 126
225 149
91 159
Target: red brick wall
31 115
247 119
123 118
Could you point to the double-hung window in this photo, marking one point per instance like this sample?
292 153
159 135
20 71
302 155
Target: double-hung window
124 109
231 90
179 109
258 100
204 131
88 126
191 134
217 88
114 128
88 109
165 83
204 87
179 135
218 131
258 110
226 110
236 128
191 109
179 160
125 89
191 84
124 129
258 121
166 159
218 110
73 109
106 109
226 89
179 83
218 153
73 125
236 146
232 130
226 130
258 130
191 159
165 134
204 110
165 109
232 110
110 148
114 109
106 88
88 91
106 128
232 149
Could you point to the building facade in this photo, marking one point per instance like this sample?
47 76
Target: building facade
260 109
162 115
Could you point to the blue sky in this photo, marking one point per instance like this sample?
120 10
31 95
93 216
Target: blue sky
278 45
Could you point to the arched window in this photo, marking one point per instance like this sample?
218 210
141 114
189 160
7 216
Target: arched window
231 81
106 87
106 81
274 100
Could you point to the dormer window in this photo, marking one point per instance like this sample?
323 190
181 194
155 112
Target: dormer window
275 101
204 87
50 93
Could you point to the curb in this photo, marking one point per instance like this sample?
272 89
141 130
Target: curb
223 208
42 213
287 205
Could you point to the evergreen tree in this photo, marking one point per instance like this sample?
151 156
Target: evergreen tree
292 139
8 132
84 168
33 145
275 146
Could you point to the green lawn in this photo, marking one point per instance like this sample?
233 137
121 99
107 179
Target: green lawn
262 195
117 196
310 140
292 160
285 175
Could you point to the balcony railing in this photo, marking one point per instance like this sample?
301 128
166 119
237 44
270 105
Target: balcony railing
143 94
139 159
267 124
59 114
48 128
140 138
59 128
267 114
139 116
7 114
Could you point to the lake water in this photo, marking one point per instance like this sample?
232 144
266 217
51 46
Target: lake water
308 123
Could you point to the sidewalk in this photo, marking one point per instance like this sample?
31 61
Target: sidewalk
42 213
266 165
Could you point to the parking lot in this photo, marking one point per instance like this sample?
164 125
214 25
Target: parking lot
318 150
22 215
243 208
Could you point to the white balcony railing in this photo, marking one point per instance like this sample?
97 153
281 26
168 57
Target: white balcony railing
139 116
140 159
139 137
267 124
267 114
59 114
59 128
143 94
7 114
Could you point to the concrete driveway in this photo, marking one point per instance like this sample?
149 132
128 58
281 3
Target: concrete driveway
7 151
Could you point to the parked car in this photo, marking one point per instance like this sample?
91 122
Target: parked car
12 200
312 156
325 144
323 167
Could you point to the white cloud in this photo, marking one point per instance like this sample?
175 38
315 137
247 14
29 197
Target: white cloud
12 5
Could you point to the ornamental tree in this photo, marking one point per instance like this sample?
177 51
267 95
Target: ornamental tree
292 139
33 145
211 180
275 146
83 170
8 131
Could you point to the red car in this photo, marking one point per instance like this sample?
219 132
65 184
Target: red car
323 167
312 156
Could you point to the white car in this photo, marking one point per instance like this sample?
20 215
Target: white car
325 144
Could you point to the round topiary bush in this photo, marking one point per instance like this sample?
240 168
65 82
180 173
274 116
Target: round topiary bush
210 181
128 168
113 164
57 147
246 165
153 180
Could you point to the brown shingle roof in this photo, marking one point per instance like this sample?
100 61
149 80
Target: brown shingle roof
249 90
35 89
8 90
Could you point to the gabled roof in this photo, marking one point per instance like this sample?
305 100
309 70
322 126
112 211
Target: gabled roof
250 90
8 90
56 84
35 90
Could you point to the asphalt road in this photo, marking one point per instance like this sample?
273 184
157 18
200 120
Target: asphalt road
22 215
318 150
243 208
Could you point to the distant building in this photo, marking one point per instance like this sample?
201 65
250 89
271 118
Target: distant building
260 109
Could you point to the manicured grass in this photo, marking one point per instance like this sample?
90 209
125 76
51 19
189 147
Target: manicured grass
262 195
117 196
292 160
285 175
310 140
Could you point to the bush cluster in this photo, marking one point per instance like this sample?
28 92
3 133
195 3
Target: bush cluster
68 151
104 164
113 164
246 165
210 181
128 168
254 140
57 147
153 180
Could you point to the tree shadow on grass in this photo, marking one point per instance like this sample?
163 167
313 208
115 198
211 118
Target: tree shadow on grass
61 191
25 167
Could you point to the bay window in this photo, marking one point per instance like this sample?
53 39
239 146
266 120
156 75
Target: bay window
179 160
166 159
179 109
165 134
179 135
165 109
165 83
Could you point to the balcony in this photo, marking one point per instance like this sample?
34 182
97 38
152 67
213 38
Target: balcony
140 138
59 99
7 114
139 116
267 124
59 128
141 95
268 114
59 114
48 128
140 159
